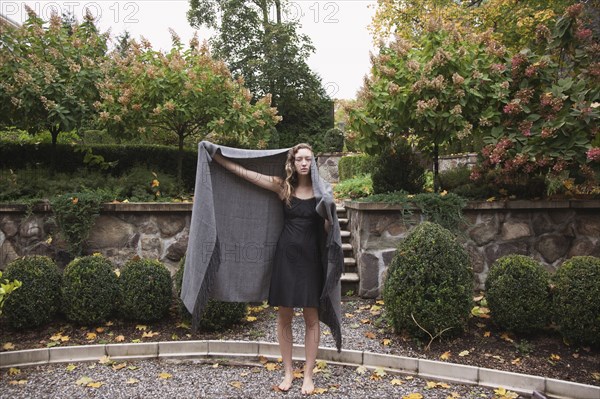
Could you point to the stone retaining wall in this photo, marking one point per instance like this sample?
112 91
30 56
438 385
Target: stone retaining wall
550 231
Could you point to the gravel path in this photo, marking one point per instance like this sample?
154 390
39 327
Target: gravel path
225 378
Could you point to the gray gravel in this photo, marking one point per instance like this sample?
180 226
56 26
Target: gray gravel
222 378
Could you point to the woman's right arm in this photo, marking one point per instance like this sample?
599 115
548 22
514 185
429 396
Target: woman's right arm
273 183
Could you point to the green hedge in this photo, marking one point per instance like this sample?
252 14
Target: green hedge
37 301
355 165
19 156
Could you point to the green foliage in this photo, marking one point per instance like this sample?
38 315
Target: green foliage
549 114
90 290
576 306
332 141
37 301
438 89
185 92
75 215
517 292
443 209
356 187
217 315
354 165
49 74
145 290
455 177
398 168
6 288
430 280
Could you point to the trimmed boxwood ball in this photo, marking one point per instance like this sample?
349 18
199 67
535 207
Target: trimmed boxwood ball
431 279
517 294
90 289
37 301
217 315
576 300
145 287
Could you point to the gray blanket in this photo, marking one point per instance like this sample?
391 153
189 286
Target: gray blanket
234 230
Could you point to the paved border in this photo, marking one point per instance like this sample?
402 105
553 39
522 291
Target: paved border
426 369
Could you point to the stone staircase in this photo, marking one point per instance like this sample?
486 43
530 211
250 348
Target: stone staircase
350 277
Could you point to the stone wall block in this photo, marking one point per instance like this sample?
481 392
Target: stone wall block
150 247
542 224
7 254
513 230
483 233
148 226
584 247
588 225
553 246
495 251
476 258
111 232
368 271
9 226
170 225
561 216
177 250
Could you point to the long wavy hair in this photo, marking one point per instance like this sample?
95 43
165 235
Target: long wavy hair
291 179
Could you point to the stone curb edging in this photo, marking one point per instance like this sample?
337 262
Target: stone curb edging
427 369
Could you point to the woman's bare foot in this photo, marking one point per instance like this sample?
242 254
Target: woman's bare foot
286 384
308 386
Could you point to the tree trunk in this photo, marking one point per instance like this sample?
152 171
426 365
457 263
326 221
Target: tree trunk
54 131
436 168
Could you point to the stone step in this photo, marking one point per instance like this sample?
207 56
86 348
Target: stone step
347 247
349 261
345 234
343 221
349 282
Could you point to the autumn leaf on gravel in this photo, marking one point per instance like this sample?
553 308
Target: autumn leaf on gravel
17 382
396 381
8 346
236 384
445 355
487 334
251 318
464 353
502 393
378 374
105 360
109 323
453 395
141 327
507 338
326 332
263 359
414 395
321 364
375 310
100 330
379 302
433 384
370 335
132 381
349 315
119 338
272 366
83 381
184 324
516 361
71 367
119 366
319 391
365 321
596 376
298 373
13 371
164 376
97 384
481 312
132 368
149 334
361 369
59 337
554 357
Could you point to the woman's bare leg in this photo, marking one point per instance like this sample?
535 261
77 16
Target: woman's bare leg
285 339
311 345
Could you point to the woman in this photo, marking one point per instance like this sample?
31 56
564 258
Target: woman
297 277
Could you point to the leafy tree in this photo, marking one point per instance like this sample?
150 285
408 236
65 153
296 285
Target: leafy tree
513 22
549 117
270 55
48 76
184 92
439 89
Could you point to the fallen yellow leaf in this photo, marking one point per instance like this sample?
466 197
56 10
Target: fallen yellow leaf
71 367
370 335
90 336
386 341
365 321
141 327
132 381
554 357
17 382
263 359
319 391
379 302
271 366
119 338
95 384
164 376
506 337
250 318
149 334
361 369
414 395
84 381
8 346
236 384
13 371
464 353
349 315
119 366
445 355
108 323
100 330
298 374
487 334
396 381
105 360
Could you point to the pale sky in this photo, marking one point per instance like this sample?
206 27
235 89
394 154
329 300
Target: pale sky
338 30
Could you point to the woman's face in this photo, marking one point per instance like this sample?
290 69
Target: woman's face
302 161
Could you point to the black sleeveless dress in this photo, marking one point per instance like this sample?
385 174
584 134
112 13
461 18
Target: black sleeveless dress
297 277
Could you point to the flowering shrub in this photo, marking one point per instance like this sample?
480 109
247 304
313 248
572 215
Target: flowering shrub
549 114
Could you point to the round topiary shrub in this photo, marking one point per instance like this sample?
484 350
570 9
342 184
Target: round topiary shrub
517 293
37 301
217 315
399 169
90 287
430 280
576 305
146 292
